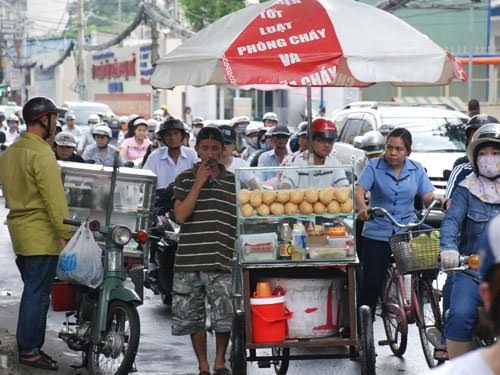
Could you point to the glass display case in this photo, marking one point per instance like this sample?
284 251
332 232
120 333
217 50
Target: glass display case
87 188
307 218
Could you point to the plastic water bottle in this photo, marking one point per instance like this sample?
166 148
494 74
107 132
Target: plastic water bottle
299 242
285 242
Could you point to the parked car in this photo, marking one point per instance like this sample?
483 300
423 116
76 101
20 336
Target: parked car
438 133
82 110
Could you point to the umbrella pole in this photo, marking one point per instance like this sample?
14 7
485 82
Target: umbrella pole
309 125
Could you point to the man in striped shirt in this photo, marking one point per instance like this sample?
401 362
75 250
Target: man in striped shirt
204 206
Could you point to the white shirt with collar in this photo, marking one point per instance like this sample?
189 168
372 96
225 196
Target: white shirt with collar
166 170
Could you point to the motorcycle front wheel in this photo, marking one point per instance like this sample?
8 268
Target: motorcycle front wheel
115 353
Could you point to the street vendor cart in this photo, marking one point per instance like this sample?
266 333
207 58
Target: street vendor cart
299 293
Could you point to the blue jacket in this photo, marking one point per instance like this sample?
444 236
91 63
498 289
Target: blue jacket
465 221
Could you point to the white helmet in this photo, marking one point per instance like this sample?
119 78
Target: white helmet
65 139
123 119
270 116
93 119
102 129
13 117
253 127
373 142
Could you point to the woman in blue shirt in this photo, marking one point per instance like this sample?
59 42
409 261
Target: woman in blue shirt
393 181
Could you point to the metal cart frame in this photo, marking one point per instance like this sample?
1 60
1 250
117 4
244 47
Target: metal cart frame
356 338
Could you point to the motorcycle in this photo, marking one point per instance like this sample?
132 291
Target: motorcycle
107 328
164 238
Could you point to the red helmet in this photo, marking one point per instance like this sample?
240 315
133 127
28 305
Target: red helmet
324 128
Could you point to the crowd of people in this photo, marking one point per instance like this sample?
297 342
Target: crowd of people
196 165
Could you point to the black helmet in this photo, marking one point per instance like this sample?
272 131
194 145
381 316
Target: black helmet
39 106
302 128
171 123
114 123
476 122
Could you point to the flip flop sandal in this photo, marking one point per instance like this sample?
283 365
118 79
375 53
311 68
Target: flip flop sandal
47 357
204 373
222 371
441 353
41 363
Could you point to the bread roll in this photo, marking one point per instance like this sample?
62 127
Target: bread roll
283 196
306 208
333 207
346 206
243 196
277 208
326 195
296 196
291 208
342 194
268 196
246 210
311 195
263 210
319 208
256 198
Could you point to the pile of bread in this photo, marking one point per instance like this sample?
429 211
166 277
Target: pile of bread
332 200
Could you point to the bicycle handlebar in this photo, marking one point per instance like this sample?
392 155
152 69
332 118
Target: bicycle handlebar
373 210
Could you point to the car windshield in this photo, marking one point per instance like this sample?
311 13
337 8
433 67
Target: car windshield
431 134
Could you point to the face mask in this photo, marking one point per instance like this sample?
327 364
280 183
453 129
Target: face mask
263 146
253 141
115 133
196 131
12 126
489 166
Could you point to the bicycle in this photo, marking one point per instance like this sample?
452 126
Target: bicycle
415 252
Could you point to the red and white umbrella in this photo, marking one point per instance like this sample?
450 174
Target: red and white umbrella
308 43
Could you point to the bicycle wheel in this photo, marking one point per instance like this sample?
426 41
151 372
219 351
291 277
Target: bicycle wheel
393 314
431 326
115 353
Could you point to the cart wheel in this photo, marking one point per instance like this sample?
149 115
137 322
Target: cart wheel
393 315
367 350
281 366
238 353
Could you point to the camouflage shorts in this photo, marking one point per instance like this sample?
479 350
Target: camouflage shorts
190 292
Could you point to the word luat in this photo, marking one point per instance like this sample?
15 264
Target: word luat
278 28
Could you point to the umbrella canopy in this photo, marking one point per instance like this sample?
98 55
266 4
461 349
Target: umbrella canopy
308 43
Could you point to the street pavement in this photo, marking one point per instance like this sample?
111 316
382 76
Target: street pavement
160 353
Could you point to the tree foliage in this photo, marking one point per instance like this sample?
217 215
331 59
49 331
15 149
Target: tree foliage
200 13
102 15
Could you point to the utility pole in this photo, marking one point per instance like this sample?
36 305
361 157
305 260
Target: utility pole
80 65
155 55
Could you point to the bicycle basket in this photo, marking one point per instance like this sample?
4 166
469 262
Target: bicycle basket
415 250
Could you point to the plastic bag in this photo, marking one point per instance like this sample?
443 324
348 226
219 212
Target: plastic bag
80 261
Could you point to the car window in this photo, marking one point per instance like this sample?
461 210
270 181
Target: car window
340 121
434 137
351 129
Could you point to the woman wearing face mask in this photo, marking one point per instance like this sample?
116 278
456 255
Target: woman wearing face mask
252 133
196 125
475 202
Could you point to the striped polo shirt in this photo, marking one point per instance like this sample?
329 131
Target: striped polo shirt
207 238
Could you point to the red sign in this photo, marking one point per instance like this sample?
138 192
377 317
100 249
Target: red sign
116 69
292 42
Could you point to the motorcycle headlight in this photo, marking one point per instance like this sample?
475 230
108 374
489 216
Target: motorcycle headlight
121 235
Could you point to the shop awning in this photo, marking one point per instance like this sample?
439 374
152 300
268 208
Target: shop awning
453 102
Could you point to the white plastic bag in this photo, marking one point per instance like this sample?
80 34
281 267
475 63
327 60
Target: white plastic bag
80 261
